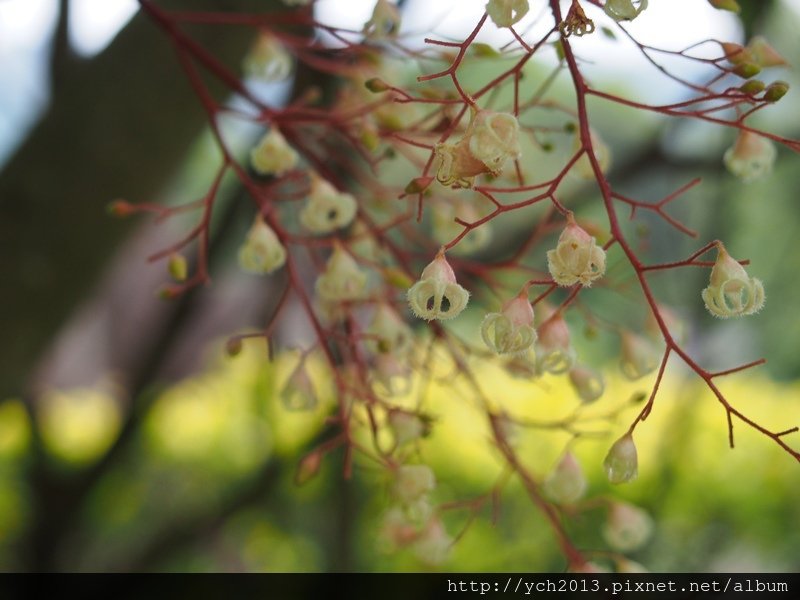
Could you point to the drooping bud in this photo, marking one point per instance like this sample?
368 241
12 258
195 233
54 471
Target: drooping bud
407 426
587 383
736 53
413 482
262 251
388 332
327 209
751 157
268 59
178 267
731 292
775 91
765 55
622 463
308 467
273 155
298 394
624 10
576 258
627 528
342 280
510 331
490 140
505 13
638 355
437 295
566 484
554 351
384 23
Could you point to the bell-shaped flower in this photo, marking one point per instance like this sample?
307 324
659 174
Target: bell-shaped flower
576 258
583 166
627 528
327 209
262 251
388 333
638 355
622 462
489 141
412 483
624 10
731 291
273 155
750 157
342 280
384 23
510 331
566 484
437 295
506 13
554 351
298 394
587 382
268 59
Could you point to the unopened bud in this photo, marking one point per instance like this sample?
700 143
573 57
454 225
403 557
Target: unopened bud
376 85
566 484
120 208
233 347
627 528
418 184
308 467
178 267
747 70
753 86
776 91
621 462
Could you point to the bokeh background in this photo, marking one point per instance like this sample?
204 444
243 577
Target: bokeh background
128 441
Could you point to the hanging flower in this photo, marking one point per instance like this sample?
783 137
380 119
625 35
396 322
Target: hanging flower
342 280
388 332
624 10
506 13
639 355
510 331
622 462
408 426
262 251
298 394
273 155
627 528
587 382
384 23
437 295
751 157
576 258
566 484
268 59
413 482
731 291
554 352
327 209
489 141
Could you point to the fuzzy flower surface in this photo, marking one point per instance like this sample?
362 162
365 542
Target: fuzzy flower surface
262 251
511 330
576 258
731 292
490 140
327 209
273 155
437 295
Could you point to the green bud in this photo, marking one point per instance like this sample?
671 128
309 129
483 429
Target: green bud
178 267
731 5
754 86
418 184
376 85
776 91
233 347
747 70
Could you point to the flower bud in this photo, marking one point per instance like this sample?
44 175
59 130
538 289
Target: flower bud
388 333
407 426
753 86
764 54
327 208
566 484
736 54
308 467
576 258
342 280
627 528
418 185
775 91
510 331
178 267
639 355
413 482
587 383
731 292
624 10
273 155
489 141
621 462
437 295
262 251
384 23
747 70
376 85
554 352
731 5
268 59
506 13
233 347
